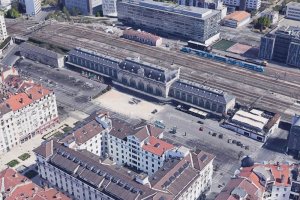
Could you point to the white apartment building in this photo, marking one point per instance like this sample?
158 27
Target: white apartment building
5 4
109 8
272 15
25 113
91 136
3 31
84 176
244 4
33 7
293 10
137 147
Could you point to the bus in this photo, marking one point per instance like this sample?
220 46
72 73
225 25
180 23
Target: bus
198 113
199 46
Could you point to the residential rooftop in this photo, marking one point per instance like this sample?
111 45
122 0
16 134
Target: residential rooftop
157 146
14 185
116 181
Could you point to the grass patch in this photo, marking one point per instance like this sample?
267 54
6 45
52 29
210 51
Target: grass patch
57 134
13 163
24 156
67 129
31 174
223 45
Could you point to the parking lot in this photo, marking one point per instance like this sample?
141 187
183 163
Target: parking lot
214 139
73 92
127 105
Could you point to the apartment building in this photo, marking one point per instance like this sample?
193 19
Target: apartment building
210 4
109 8
273 16
3 31
244 4
83 7
293 10
282 45
270 181
26 109
32 7
139 147
14 185
193 23
85 176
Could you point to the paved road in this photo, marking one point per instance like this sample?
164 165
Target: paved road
227 155
9 57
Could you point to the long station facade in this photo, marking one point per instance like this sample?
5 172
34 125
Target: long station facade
161 83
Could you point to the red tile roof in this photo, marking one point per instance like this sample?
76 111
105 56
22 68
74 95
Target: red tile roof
157 146
141 35
37 92
238 16
32 93
18 101
280 173
251 190
17 186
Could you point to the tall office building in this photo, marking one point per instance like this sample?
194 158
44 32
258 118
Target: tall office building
3 31
282 45
294 135
199 24
109 8
84 7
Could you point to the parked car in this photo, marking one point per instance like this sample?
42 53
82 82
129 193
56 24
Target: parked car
239 143
201 128
200 122
154 111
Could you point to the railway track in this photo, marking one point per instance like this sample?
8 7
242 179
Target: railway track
241 95
63 36
280 86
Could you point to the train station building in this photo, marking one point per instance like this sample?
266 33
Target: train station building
161 83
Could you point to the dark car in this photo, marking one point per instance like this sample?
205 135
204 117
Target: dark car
200 122
154 111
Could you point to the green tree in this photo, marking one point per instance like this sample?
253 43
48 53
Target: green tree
262 23
66 12
97 14
12 13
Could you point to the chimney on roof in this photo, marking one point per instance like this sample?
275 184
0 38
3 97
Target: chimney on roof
30 96
21 100
15 175
282 179
57 196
